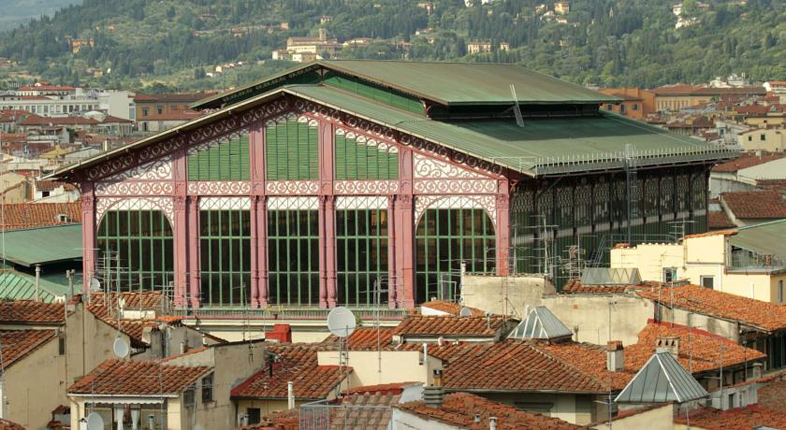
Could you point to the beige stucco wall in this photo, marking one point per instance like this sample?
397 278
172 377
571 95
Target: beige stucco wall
654 419
89 342
397 366
489 293
650 259
590 313
32 387
717 326
576 409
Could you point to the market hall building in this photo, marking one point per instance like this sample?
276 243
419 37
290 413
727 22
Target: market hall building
361 182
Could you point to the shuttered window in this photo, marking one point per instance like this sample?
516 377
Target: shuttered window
226 161
292 151
364 159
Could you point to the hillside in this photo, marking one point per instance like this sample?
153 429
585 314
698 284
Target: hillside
16 12
137 43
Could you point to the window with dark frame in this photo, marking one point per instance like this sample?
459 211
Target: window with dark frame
207 389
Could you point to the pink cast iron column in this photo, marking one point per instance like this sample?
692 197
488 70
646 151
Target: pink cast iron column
327 218
262 282
405 231
89 251
503 234
259 293
193 256
180 228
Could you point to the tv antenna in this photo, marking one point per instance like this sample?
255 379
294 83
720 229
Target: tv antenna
120 347
341 323
516 107
95 421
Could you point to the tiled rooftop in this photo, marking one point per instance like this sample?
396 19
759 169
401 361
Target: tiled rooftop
451 308
17 344
705 351
511 366
590 359
772 395
31 312
755 204
126 377
751 417
8 425
27 215
755 313
459 410
297 363
366 338
576 287
718 220
418 325
367 410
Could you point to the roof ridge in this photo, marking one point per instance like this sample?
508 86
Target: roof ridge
567 364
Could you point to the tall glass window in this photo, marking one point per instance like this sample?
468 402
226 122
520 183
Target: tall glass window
362 256
446 238
225 260
135 250
293 257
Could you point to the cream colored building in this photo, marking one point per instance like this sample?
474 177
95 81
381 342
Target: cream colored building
763 139
710 260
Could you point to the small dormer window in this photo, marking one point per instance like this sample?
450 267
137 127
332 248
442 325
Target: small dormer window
63 218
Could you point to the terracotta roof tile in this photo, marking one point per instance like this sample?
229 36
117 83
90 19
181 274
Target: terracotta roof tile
418 325
27 215
591 359
576 287
297 363
751 417
751 312
104 307
395 388
771 396
511 366
8 425
366 338
746 160
373 411
755 204
31 312
718 220
459 410
708 351
451 308
17 344
138 378
282 420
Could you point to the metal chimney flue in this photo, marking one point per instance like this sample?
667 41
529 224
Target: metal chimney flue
434 395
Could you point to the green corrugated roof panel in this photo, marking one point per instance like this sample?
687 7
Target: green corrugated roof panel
44 245
767 238
662 380
541 146
21 286
469 83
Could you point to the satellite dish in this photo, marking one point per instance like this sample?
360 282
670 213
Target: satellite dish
120 347
95 422
95 285
465 312
341 322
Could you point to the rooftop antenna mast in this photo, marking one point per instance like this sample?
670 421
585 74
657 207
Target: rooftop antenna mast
516 107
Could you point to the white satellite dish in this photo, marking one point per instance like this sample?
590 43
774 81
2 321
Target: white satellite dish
95 422
465 312
341 322
120 347
95 285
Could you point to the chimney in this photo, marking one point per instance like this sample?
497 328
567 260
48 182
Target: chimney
38 282
281 333
290 396
668 344
323 34
477 418
492 423
615 356
434 395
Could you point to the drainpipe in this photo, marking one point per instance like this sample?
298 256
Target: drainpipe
290 396
38 282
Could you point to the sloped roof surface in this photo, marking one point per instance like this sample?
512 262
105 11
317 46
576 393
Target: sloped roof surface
419 325
541 324
17 344
755 313
662 380
366 338
610 276
750 417
31 312
45 245
755 204
767 238
8 425
132 377
451 308
16 285
459 410
29 215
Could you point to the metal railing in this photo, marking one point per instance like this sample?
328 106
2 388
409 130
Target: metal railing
289 313
323 415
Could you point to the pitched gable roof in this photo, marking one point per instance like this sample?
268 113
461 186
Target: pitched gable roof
8 425
662 380
27 215
450 326
755 204
129 377
31 312
750 417
17 344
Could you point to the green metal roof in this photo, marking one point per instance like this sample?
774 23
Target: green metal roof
541 146
662 380
767 238
21 286
442 82
45 245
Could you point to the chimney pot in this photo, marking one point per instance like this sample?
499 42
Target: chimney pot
492 423
477 418
669 344
615 356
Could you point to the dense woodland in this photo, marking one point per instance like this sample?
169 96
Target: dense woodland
138 43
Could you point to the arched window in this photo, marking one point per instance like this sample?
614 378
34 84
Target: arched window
446 238
135 250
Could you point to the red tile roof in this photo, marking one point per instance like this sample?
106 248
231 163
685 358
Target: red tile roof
459 409
755 313
8 425
282 420
576 287
366 338
704 351
17 344
450 326
451 308
395 388
747 159
750 417
591 359
52 185
771 396
31 312
297 363
138 378
365 415
27 215
106 311
511 366
49 120
718 220
755 204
